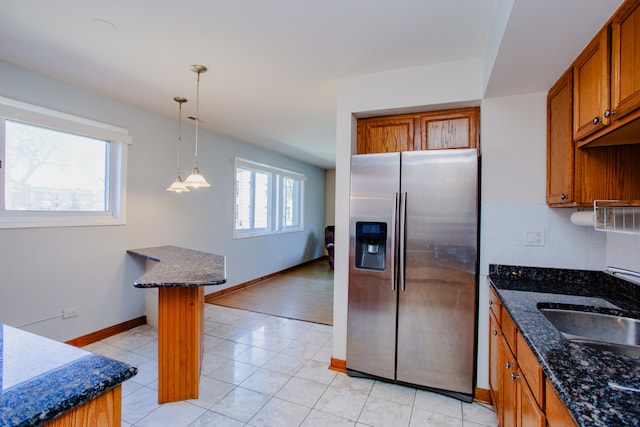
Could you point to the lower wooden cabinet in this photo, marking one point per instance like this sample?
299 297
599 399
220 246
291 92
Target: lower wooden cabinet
557 414
102 411
521 394
495 360
529 413
509 387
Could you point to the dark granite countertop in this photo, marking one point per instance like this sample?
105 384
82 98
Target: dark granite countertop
586 379
181 267
41 379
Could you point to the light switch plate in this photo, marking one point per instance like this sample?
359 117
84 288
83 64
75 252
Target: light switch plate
534 237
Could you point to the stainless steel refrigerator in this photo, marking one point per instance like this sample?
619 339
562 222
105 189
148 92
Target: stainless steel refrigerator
412 304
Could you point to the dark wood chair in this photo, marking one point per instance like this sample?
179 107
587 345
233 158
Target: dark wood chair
329 231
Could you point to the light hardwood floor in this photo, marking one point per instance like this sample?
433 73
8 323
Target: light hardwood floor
303 293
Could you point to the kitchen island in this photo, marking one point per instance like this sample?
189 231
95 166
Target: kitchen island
43 381
179 274
599 388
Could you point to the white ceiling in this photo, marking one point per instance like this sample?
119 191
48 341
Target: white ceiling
273 64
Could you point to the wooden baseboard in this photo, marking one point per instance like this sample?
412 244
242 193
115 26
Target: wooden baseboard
107 332
338 365
482 395
210 297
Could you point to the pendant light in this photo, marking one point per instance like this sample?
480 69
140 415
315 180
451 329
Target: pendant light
178 185
195 180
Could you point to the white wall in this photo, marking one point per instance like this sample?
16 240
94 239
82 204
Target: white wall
513 193
513 177
330 197
45 270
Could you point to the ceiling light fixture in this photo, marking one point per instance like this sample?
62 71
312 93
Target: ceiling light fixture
178 185
196 180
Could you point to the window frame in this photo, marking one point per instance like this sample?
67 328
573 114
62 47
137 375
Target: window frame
276 211
117 138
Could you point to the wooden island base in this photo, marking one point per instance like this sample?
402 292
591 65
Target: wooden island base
180 342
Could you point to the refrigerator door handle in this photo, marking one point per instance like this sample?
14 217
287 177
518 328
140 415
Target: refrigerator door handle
401 241
394 228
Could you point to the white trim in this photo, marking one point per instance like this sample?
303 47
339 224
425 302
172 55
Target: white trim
33 114
250 164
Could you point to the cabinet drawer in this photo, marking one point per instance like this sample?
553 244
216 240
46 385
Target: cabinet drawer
509 330
495 305
531 369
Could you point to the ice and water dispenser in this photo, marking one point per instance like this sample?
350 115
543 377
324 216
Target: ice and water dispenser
371 245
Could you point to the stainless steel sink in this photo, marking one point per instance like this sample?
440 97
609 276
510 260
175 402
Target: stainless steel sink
617 334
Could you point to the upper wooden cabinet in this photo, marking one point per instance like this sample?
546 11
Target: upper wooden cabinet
459 128
560 147
591 87
602 165
386 134
625 60
606 79
577 176
450 129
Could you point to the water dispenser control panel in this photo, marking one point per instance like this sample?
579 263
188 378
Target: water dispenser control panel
371 242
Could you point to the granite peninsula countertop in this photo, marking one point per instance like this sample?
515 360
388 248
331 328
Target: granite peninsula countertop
180 267
587 380
41 379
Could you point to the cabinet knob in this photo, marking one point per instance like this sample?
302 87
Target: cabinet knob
495 333
563 196
508 365
609 113
596 120
490 303
514 376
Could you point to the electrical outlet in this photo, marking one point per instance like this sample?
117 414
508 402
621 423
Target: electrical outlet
70 312
534 237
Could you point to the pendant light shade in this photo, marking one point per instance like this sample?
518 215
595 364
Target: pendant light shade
196 180
178 185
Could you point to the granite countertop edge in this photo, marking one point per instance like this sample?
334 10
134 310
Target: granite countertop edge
581 375
180 267
54 393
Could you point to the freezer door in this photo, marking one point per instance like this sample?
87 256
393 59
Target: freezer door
372 303
437 304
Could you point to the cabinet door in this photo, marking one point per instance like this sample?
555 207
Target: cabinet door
591 87
449 129
557 414
560 146
495 364
625 60
529 413
509 397
386 134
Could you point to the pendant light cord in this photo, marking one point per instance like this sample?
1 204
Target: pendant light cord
197 116
179 134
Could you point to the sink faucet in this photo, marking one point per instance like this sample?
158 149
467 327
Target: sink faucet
634 275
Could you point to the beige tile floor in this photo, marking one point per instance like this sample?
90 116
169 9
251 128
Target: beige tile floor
261 370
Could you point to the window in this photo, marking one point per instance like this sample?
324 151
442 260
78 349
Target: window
59 170
267 199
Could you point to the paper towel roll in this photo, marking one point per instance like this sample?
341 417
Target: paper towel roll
584 218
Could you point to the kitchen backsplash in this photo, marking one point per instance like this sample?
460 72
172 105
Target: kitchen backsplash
623 250
538 236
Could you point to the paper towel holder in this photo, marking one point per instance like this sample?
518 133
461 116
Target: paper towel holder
584 218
